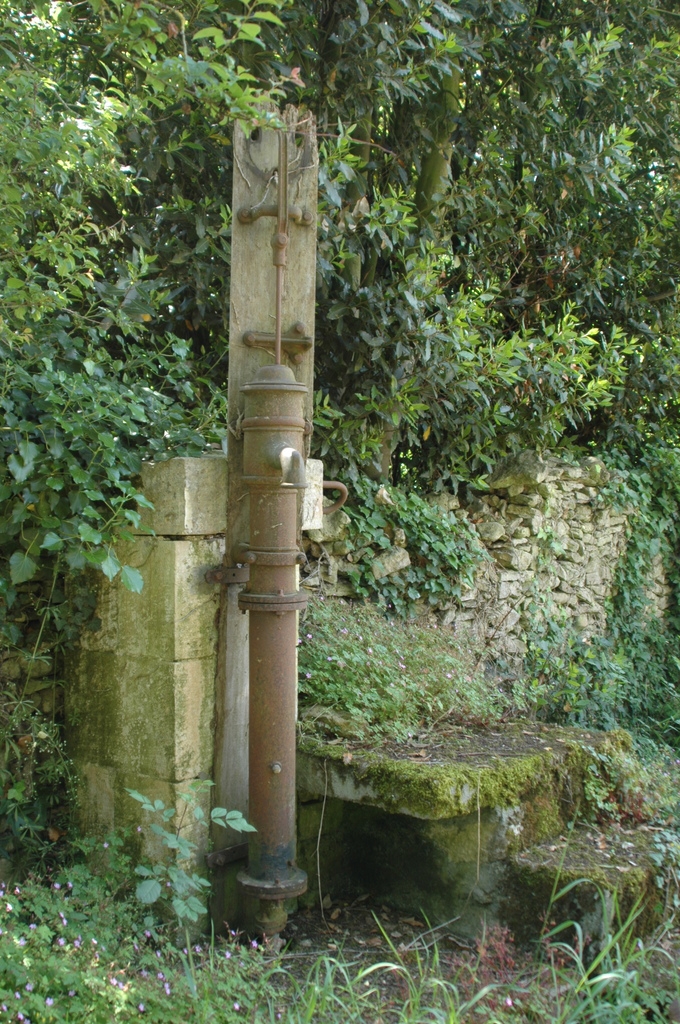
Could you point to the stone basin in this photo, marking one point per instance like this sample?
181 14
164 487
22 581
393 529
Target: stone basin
466 828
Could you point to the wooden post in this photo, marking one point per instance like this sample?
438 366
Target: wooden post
252 309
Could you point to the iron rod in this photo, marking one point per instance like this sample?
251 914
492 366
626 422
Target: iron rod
281 239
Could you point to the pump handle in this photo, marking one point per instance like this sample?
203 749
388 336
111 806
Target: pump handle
335 485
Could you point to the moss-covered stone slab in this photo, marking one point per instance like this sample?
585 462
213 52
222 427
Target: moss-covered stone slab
538 772
479 832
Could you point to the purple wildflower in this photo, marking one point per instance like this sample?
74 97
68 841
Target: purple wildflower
167 988
237 1006
57 885
22 941
106 846
61 941
29 986
33 926
140 1007
49 1001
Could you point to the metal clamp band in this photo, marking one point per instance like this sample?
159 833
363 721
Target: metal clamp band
275 557
279 603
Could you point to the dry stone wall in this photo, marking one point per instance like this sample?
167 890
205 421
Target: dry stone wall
553 545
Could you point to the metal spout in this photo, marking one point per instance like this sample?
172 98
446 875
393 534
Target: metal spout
293 468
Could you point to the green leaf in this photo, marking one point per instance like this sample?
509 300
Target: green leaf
21 464
236 821
267 16
132 579
22 568
140 798
211 33
148 891
110 566
89 534
52 542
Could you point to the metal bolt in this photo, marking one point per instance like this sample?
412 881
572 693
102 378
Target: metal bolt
276 768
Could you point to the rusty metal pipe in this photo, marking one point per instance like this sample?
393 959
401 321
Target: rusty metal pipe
273 469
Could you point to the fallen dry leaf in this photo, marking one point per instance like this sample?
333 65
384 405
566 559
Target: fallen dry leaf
347 757
413 921
336 914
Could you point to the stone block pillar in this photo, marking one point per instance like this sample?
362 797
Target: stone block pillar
141 687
